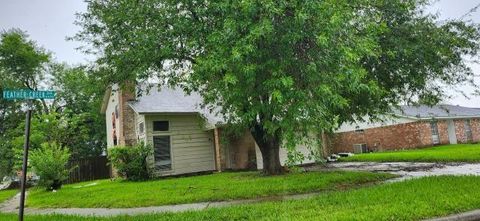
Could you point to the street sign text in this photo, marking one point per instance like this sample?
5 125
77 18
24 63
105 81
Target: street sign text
28 94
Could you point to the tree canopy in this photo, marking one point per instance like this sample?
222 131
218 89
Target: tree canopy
72 120
283 69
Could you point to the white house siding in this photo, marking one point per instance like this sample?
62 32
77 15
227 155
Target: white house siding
112 103
192 147
387 121
284 156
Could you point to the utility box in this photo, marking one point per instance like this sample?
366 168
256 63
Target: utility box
360 148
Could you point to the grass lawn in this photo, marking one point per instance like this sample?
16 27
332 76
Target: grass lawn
213 187
409 200
445 153
7 194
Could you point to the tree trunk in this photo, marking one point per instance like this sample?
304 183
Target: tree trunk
270 148
271 159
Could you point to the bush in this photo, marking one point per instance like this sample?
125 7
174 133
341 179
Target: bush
49 162
131 162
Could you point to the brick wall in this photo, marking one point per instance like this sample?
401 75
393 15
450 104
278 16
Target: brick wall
422 130
237 152
475 124
223 149
127 118
460 131
401 136
443 132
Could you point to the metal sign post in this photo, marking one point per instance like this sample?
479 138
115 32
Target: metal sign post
25 160
28 95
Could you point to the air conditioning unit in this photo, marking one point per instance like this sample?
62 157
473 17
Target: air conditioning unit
360 148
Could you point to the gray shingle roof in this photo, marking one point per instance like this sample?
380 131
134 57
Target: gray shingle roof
175 100
437 111
172 100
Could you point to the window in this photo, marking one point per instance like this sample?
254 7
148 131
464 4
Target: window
116 111
113 121
163 158
468 131
114 130
141 128
434 129
160 126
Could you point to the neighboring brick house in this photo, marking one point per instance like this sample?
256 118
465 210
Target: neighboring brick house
185 137
410 127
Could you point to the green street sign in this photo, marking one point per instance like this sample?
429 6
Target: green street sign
28 94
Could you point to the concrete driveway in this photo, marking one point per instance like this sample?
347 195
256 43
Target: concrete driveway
406 170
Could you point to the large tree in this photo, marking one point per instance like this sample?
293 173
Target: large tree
22 63
284 69
21 66
72 120
78 101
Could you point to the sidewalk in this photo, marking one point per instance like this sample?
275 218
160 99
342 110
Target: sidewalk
11 206
467 216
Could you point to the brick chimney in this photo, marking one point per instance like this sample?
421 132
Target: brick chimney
127 135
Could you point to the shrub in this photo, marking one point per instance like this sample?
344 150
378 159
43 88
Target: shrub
131 162
49 162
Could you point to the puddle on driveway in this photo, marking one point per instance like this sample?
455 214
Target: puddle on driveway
406 170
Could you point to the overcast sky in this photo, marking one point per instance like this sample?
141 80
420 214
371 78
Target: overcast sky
48 22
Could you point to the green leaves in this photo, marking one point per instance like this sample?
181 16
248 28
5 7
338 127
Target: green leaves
50 163
72 120
287 81
21 61
132 163
289 66
230 79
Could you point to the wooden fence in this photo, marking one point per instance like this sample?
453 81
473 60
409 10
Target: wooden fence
88 169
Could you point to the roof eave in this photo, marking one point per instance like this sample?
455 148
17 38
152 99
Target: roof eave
157 112
106 97
436 117
133 107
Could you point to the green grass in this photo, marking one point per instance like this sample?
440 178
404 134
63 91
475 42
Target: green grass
7 194
213 187
409 200
445 153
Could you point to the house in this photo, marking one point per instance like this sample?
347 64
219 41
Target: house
410 127
186 138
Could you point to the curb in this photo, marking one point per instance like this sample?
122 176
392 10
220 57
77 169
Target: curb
467 216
